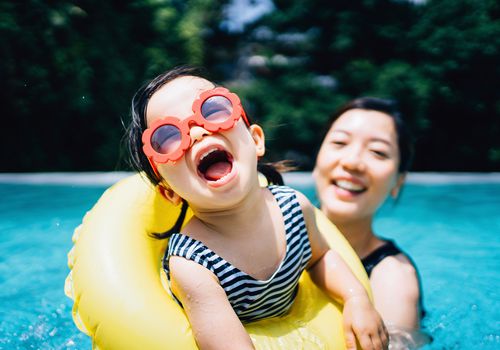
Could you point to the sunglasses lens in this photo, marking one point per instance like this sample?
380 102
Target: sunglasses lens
217 109
166 139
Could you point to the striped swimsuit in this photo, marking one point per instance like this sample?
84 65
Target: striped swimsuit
250 298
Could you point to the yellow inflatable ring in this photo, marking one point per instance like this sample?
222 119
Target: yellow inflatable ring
117 283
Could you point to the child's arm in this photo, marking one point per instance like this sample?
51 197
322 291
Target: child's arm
329 272
214 323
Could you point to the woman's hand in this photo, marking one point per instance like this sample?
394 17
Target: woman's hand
362 322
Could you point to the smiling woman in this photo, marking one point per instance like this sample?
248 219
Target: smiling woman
363 159
359 154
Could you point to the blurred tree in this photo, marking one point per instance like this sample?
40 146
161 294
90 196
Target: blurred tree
458 43
70 68
437 59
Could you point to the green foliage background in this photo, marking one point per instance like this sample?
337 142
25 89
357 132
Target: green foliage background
70 68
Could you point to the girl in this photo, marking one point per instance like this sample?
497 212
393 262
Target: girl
240 257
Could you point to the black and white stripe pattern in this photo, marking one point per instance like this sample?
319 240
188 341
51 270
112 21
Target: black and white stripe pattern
253 299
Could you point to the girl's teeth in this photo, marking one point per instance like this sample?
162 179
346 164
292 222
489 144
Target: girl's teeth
207 153
348 185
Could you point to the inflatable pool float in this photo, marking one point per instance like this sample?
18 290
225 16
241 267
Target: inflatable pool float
119 291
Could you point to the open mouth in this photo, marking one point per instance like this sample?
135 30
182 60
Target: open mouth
349 186
215 164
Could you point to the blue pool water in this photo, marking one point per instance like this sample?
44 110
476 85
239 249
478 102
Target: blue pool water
451 230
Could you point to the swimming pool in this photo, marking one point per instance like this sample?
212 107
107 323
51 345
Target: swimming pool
451 230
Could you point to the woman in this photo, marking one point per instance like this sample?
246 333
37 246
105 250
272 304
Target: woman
363 159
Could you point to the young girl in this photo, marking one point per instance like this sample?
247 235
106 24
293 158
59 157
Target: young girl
240 257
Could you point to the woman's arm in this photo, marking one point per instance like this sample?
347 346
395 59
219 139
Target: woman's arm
396 292
329 272
215 324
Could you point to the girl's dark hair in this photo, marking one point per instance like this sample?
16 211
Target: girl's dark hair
389 107
137 126
138 160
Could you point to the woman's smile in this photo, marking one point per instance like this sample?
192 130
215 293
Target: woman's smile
350 169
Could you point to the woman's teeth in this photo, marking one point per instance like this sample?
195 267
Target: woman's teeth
350 186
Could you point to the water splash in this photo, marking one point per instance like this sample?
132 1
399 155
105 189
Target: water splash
403 339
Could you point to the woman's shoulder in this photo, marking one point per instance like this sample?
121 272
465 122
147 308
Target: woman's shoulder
398 272
396 291
398 265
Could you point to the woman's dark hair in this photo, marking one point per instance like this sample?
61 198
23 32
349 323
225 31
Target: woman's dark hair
389 107
137 158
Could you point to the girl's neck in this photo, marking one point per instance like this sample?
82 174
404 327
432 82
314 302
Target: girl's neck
240 217
360 235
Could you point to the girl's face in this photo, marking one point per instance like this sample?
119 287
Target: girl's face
357 165
219 168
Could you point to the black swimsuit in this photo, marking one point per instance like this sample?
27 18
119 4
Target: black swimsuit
382 252
379 254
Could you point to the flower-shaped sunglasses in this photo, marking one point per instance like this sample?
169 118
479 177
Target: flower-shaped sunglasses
168 139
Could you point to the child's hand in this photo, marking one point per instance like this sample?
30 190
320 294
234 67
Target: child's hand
361 321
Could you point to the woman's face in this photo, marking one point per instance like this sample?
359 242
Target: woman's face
357 165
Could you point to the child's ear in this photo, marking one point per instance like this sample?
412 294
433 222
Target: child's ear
170 195
259 139
397 188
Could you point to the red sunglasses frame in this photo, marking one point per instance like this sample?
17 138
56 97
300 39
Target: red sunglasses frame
185 125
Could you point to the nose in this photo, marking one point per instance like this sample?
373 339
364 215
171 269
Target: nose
197 133
353 161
